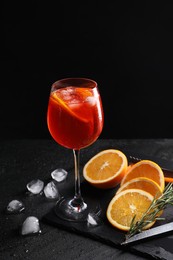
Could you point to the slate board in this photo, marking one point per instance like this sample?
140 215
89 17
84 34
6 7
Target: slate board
157 248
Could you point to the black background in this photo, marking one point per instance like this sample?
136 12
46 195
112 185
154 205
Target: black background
125 47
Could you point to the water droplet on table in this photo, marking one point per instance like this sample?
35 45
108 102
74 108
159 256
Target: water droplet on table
59 174
35 186
51 191
30 226
15 206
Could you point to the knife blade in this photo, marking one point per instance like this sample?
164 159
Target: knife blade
152 232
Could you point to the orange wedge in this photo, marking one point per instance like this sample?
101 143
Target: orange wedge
106 169
62 104
145 168
84 92
127 204
142 183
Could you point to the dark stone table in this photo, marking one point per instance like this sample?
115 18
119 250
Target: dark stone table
24 160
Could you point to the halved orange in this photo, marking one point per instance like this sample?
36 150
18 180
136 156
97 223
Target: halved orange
142 183
106 169
145 168
127 204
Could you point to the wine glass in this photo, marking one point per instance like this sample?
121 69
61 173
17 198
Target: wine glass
75 121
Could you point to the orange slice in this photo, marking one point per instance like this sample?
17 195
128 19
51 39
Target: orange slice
106 169
84 92
145 168
127 204
142 183
66 107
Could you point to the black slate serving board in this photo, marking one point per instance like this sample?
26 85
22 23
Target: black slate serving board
156 248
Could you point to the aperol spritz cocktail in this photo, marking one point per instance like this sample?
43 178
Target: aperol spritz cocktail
75 121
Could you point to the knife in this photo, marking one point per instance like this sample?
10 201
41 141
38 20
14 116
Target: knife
152 232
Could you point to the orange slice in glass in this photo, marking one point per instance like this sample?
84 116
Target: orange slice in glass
67 108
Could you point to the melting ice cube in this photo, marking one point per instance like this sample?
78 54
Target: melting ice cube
35 186
51 191
91 100
30 226
15 206
93 219
59 174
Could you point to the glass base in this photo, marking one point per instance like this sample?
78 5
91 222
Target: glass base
67 209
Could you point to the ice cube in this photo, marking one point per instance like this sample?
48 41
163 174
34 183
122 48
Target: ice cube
15 206
93 219
91 100
59 174
35 186
66 93
51 191
30 226
75 105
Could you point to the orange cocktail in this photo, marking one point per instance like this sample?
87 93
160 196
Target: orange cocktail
75 116
75 121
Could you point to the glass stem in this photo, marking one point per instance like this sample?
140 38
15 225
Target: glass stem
78 200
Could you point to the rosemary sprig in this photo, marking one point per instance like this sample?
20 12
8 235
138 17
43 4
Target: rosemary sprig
151 214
